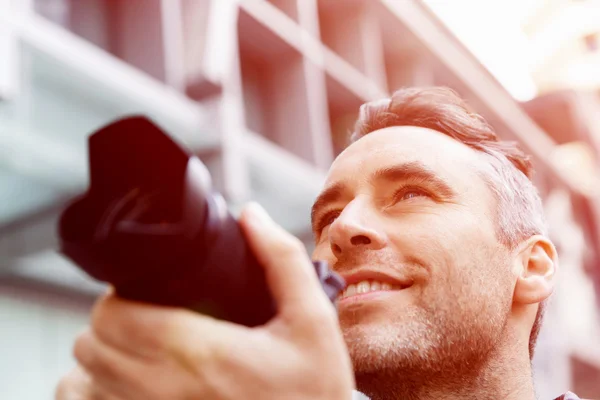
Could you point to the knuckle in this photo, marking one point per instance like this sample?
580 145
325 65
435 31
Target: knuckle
296 245
172 323
291 246
170 331
63 388
72 385
82 350
91 358
100 318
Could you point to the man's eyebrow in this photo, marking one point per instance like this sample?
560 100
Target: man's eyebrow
414 170
329 195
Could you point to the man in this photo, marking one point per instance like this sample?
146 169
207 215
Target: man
440 235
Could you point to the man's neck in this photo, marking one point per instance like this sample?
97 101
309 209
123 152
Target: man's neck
503 376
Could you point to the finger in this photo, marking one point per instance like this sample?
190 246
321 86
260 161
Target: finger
106 370
154 333
197 340
137 329
97 393
76 385
288 269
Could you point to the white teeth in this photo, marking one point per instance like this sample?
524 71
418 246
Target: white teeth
365 287
350 290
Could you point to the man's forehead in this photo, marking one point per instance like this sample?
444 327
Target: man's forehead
400 145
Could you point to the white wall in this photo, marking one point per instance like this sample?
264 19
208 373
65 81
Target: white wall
36 338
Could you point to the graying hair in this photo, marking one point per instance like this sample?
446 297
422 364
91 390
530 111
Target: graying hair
519 211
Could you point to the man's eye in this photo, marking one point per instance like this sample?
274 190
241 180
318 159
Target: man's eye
408 193
327 220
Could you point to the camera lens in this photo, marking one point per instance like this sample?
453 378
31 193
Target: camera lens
152 226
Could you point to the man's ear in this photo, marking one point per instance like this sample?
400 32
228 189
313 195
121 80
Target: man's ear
536 264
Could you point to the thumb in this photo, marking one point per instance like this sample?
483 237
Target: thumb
288 270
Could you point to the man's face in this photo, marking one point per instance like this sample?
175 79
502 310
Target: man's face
406 218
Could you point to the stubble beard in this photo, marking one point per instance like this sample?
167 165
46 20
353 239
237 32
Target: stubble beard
439 344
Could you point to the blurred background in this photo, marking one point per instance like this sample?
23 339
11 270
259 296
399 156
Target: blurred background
265 93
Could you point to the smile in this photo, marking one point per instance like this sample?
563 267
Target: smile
367 287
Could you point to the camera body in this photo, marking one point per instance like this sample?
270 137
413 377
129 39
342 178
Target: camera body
152 226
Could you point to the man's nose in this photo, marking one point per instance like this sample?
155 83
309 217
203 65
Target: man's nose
352 231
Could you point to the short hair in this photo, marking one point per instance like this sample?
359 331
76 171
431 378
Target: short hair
520 212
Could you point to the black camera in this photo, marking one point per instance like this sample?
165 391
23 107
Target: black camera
152 226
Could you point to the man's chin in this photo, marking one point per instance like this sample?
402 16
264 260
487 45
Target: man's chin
372 322
379 347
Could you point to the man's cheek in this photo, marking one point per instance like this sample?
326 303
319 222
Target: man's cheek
424 249
449 240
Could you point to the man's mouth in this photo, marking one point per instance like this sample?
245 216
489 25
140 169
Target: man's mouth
368 282
366 287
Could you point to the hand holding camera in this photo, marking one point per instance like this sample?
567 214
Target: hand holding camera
152 226
267 328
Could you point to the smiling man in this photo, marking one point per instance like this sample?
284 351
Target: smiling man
440 235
